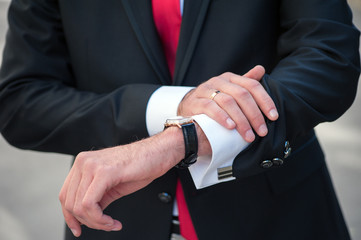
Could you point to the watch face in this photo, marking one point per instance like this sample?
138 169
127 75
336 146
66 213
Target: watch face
178 121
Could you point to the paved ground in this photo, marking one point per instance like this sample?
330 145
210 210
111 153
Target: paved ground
30 182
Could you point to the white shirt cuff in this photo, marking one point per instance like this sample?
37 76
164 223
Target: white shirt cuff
225 144
163 104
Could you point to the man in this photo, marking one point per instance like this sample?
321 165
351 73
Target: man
79 76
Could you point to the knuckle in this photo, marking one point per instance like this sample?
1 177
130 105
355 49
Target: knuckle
256 119
208 104
268 102
214 110
68 206
253 84
71 221
243 126
201 88
86 204
61 197
89 165
78 211
223 118
242 93
227 75
212 80
87 161
68 219
81 157
221 115
227 100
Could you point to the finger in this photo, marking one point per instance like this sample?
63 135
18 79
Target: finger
72 188
201 102
248 113
110 196
95 217
215 112
78 209
260 95
230 105
72 222
256 73
122 190
64 189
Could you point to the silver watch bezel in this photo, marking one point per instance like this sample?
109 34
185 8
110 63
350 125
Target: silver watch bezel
178 121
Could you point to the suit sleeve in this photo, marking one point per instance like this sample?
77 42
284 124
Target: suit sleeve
315 79
40 106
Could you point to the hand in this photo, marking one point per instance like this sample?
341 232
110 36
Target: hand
98 178
240 103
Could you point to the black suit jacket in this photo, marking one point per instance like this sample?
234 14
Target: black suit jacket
77 75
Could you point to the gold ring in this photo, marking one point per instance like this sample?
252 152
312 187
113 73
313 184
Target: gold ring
214 94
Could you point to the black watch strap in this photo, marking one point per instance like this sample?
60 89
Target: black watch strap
191 145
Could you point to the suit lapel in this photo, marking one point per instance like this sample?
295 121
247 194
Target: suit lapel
194 15
140 16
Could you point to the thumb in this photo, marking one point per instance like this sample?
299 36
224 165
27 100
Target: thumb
255 73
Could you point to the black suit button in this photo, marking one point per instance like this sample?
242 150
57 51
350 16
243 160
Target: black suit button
277 161
267 164
165 197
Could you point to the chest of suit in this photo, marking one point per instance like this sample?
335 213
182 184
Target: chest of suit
116 43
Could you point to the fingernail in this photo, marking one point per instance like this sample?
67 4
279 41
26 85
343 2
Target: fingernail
273 114
249 136
263 130
74 231
231 123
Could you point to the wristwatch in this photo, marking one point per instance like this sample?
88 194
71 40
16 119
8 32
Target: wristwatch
190 139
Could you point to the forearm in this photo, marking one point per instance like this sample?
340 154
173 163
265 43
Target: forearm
117 172
166 148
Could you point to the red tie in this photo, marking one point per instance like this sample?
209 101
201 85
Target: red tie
168 19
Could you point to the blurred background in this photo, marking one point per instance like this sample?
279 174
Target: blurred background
30 181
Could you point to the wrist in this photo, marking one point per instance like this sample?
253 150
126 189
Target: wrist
167 148
177 145
174 145
155 155
190 137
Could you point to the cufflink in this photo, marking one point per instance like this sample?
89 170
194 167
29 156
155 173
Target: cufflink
224 172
